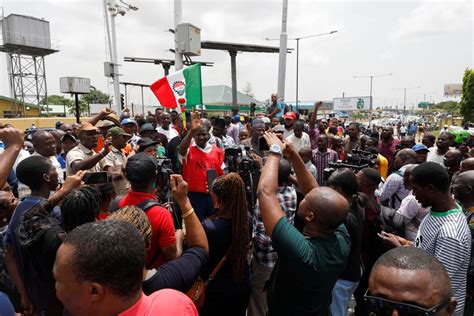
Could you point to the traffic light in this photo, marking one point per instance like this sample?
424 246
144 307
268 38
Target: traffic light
122 101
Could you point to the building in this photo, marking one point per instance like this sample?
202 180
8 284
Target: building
7 106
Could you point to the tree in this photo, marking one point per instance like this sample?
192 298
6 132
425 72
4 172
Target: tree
96 97
451 107
57 100
467 99
248 90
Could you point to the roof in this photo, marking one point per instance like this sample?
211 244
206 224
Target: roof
240 47
4 98
222 94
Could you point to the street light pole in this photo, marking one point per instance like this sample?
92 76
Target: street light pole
371 81
283 52
297 39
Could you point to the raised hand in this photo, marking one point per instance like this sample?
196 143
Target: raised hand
179 187
11 137
196 121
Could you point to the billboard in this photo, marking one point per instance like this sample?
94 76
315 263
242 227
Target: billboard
351 103
453 90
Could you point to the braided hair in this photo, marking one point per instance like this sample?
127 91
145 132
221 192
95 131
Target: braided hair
135 216
80 206
230 190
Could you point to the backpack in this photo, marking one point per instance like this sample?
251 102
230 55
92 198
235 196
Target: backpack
145 205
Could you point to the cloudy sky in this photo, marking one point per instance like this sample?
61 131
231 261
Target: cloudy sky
423 43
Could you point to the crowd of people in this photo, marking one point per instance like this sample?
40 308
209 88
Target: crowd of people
278 213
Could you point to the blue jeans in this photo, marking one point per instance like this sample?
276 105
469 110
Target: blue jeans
341 295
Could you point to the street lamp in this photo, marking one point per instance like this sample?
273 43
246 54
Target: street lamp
297 39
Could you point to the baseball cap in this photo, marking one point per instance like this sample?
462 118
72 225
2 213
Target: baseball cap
266 120
279 129
290 115
236 118
117 131
104 123
58 124
140 167
147 127
68 136
420 147
86 126
146 142
128 121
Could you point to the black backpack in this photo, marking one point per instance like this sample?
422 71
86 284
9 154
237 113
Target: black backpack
144 205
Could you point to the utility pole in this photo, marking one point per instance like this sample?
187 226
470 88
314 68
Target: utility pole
283 51
371 81
405 95
178 58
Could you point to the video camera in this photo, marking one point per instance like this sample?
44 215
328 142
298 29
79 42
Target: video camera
238 160
355 161
164 168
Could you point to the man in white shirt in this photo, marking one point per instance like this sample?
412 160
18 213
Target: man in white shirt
437 153
165 127
299 139
44 144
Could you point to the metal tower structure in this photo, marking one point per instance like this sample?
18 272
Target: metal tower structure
26 41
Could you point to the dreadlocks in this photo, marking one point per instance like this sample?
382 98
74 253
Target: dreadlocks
230 190
79 207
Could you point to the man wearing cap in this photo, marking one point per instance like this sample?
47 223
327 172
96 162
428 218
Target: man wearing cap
116 160
165 127
258 128
234 129
147 130
421 152
68 142
289 118
82 157
130 127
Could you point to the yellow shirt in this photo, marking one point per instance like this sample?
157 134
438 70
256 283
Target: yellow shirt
383 166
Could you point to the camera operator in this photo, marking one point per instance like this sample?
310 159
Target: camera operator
197 160
258 128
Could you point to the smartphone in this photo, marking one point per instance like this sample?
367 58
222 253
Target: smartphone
211 176
262 144
96 177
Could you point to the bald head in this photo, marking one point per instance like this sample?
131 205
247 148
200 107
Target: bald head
44 143
329 208
404 157
463 188
467 164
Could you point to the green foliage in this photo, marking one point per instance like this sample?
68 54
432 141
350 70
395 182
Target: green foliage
57 100
96 96
451 107
467 99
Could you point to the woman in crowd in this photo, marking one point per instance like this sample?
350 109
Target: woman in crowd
228 235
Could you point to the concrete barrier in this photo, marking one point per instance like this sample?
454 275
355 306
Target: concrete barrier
40 122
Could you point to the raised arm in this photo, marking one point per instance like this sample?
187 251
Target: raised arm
103 115
195 233
195 124
13 140
313 117
270 208
306 181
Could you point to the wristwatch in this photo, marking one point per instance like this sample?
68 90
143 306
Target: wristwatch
275 149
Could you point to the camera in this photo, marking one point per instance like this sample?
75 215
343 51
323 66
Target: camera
164 168
355 161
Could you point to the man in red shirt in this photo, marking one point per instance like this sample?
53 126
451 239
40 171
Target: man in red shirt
197 160
388 145
140 170
99 271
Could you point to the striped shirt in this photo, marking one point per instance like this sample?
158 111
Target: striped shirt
321 161
446 235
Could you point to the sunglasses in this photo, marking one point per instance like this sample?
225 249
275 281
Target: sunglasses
380 307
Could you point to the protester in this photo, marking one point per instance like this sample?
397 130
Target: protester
463 189
444 231
437 153
387 146
88 282
421 152
258 128
82 157
322 156
219 132
197 160
115 160
353 139
44 144
299 139
233 129
243 134
228 235
452 161
303 279
345 182
393 191
166 128
289 119
321 128
467 164
140 170
409 281
264 255
428 140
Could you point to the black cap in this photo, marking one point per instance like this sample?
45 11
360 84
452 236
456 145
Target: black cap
146 142
147 127
68 136
140 168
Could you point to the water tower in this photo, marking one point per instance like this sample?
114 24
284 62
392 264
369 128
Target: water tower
26 40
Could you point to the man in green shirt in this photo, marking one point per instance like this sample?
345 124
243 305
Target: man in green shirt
309 263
